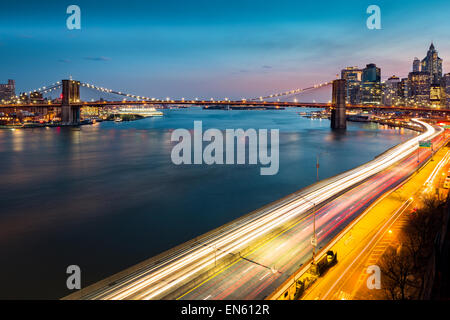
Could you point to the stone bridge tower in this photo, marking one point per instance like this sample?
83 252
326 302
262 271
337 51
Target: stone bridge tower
338 109
70 114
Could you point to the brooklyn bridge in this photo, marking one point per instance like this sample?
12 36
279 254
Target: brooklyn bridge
69 104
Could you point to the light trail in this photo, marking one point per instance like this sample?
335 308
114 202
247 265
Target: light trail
233 284
382 230
429 182
157 280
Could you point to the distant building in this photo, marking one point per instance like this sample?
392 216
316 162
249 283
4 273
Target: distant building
353 76
416 65
433 65
419 87
392 91
7 90
371 85
446 81
437 95
404 91
34 97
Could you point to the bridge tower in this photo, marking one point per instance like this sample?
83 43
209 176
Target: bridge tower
338 110
70 115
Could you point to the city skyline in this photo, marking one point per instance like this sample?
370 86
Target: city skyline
240 51
429 67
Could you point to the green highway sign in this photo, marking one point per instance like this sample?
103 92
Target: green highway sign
425 144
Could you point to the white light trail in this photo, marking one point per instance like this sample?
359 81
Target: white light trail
155 280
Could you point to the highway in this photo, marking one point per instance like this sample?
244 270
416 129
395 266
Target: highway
258 273
372 235
291 249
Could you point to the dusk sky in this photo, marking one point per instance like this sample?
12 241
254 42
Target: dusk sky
213 48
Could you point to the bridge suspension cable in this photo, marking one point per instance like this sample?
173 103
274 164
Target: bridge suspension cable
44 89
106 90
58 84
294 91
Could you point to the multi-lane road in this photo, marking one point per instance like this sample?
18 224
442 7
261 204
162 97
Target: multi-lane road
255 274
379 229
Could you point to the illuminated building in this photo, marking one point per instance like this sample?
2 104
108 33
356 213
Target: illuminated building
420 84
34 97
371 85
7 90
437 95
446 81
433 65
391 91
416 65
353 76
404 91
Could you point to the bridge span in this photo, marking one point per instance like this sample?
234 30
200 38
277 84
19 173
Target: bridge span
70 104
243 103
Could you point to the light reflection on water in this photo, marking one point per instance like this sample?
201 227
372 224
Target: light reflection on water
107 196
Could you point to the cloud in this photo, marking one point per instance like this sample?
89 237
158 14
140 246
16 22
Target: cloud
97 58
267 67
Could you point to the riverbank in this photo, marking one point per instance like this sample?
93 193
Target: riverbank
112 117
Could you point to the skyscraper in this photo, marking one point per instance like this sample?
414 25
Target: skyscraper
447 89
352 75
416 65
391 91
433 65
7 90
419 87
405 91
371 85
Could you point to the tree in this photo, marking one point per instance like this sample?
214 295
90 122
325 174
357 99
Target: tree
404 268
396 270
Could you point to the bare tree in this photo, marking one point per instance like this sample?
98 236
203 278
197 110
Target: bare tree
419 234
404 268
396 270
